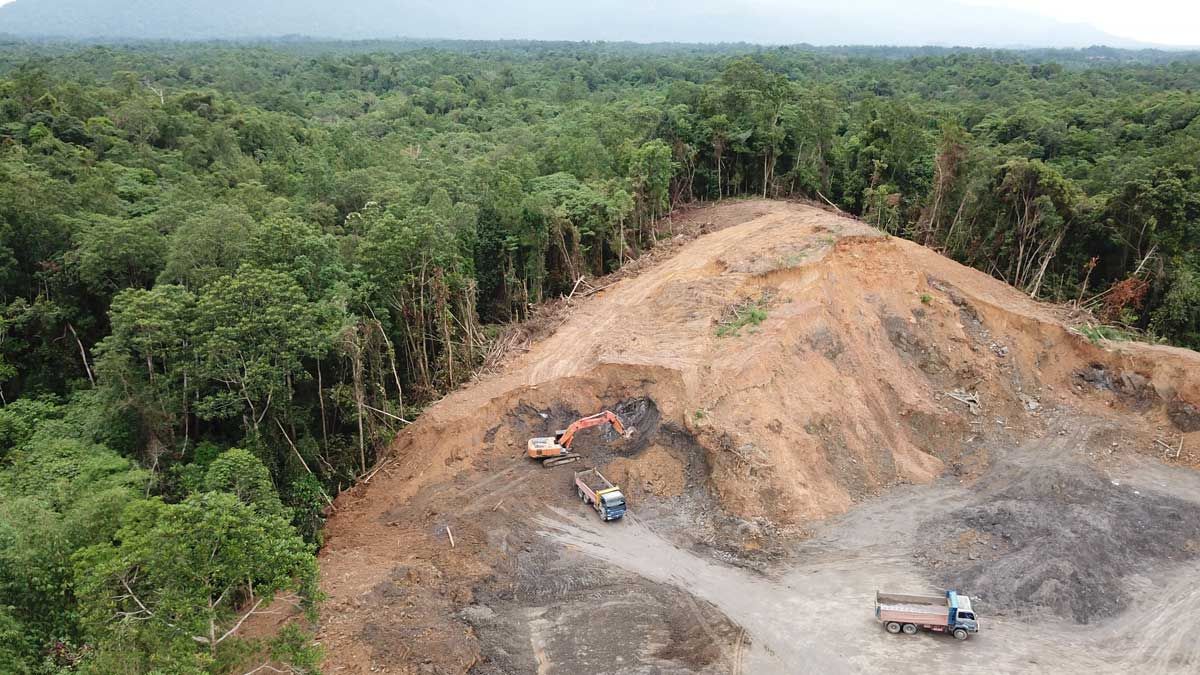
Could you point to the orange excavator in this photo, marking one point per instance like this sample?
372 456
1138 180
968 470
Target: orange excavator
555 450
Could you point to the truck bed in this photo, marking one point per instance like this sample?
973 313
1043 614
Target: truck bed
592 480
919 609
916 600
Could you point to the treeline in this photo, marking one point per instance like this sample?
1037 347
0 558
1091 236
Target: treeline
228 274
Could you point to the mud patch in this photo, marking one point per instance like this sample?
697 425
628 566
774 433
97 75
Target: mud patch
854 474
694 519
825 342
642 415
1184 415
928 358
1060 538
572 614
783 256
951 439
1134 389
393 633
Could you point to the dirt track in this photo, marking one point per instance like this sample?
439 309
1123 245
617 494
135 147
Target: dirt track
783 474
812 613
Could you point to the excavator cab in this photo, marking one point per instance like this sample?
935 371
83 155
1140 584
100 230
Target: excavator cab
556 450
541 448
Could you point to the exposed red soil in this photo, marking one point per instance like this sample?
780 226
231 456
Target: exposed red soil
845 390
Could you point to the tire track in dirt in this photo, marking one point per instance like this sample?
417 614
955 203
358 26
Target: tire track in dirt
751 602
1162 634
480 501
707 627
737 652
816 617
537 640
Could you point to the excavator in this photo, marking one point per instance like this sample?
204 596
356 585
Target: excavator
556 450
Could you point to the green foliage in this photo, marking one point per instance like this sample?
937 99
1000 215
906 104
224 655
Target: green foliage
170 591
115 255
146 361
65 499
253 332
240 473
210 242
57 494
307 501
263 248
20 419
61 472
299 249
1179 314
1098 333
16 652
750 313
295 647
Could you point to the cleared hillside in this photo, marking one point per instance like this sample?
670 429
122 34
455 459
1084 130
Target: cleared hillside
880 367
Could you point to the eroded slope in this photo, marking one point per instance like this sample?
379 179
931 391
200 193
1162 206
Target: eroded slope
863 376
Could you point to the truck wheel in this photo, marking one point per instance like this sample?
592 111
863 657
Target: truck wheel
909 629
960 634
893 627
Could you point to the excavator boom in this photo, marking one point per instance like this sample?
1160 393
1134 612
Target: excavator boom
556 449
609 417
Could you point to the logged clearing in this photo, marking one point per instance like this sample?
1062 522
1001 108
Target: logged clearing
821 411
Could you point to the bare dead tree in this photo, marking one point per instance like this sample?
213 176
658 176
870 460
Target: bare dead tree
158 91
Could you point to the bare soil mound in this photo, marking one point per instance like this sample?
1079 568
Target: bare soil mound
779 369
1059 538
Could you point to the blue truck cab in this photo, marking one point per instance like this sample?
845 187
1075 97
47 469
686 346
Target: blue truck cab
612 505
961 613
948 612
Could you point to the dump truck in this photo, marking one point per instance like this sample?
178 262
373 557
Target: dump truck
949 613
556 449
600 493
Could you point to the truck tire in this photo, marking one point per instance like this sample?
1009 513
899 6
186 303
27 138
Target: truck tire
960 634
893 627
909 629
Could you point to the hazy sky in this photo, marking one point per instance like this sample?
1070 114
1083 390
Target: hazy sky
1167 22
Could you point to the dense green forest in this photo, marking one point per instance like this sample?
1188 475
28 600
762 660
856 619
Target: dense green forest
227 271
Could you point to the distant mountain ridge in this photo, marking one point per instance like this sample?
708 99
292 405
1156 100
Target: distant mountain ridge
932 22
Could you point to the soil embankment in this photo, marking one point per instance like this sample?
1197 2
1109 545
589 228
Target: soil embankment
787 372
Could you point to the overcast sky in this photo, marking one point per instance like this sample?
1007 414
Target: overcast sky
1165 22
1168 22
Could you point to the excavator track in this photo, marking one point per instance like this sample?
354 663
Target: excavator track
561 459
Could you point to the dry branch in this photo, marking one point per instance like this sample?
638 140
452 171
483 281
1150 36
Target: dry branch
304 463
367 478
971 400
385 413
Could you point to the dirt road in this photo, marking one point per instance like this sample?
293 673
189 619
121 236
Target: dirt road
812 613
